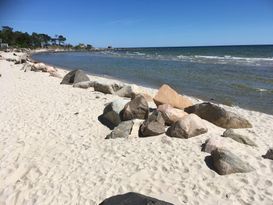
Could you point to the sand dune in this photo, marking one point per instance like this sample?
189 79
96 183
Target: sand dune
49 154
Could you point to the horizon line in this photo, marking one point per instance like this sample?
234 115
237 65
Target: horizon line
218 45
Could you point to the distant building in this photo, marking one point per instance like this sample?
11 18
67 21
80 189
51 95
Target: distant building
3 45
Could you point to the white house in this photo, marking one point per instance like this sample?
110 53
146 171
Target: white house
3 45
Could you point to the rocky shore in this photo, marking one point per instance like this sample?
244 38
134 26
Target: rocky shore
68 137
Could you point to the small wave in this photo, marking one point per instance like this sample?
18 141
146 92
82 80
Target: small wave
227 59
251 89
261 90
140 54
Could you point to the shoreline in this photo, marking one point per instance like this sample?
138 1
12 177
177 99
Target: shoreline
145 86
54 150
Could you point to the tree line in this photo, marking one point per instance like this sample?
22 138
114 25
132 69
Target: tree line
35 40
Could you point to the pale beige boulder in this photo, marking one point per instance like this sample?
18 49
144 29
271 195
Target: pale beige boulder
170 114
187 127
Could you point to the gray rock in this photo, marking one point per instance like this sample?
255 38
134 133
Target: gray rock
225 162
111 113
218 116
137 108
189 126
132 198
126 91
269 154
154 125
84 84
239 136
130 91
123 130
106 88
75 76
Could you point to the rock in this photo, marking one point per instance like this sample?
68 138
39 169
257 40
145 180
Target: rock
239 135
189 126
166 95
170 114
226 162
154 125
130 91
269 154
106 88
75 76
39 67
84 84
56 75
22 59
213 143
112 112
137 108
132 198
50 69
123 130
218 116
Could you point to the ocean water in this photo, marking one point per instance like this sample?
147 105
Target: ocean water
232 75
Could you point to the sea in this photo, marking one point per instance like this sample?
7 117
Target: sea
232 75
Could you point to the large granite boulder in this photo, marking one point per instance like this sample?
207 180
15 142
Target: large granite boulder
123 130
106 88
167 95
218 116
269 154
225 162
240 135
75 76
132 198
137 108
212 144
187 127
170 114
112 113
154 125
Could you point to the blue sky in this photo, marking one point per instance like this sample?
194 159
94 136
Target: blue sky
133 23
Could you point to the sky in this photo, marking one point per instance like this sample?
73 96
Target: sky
144 23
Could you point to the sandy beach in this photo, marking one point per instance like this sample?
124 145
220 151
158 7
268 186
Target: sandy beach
53 150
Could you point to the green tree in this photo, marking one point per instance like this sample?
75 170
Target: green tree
89 47
61 39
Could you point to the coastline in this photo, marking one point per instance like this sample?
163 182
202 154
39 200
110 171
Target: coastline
260 105
52 156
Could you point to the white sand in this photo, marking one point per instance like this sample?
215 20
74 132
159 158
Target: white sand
49 155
